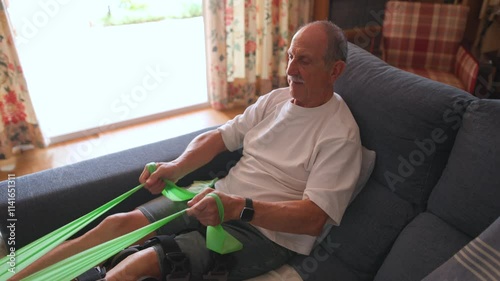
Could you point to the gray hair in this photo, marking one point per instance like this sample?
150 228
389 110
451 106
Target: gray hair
336 48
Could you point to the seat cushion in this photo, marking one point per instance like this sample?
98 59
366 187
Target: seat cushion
314 267
355 249
285 272
467 196
422 246
436 75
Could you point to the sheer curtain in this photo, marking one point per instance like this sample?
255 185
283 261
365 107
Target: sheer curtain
246 47
19 128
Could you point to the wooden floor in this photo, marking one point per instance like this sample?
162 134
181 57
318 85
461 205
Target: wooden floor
66 153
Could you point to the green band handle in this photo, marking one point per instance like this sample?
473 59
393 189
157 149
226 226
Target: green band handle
172 191
217 240
220 206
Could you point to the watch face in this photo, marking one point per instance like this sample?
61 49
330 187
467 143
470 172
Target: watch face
246 214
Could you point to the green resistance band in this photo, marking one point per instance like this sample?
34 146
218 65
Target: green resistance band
219 240
171 190
74 266
36 249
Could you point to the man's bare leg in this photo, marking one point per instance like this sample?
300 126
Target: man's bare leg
110 228
141 264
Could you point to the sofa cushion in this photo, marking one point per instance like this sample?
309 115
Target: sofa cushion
355 249
421 247
468 194
410 121
322 265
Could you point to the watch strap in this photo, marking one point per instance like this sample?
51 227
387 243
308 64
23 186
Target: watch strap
248 203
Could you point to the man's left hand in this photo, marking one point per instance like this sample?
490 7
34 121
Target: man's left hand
205 209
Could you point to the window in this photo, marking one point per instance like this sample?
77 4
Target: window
95 65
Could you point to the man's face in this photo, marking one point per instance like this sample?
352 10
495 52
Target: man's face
310 80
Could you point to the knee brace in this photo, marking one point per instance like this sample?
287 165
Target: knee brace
174 265
94 274
219 270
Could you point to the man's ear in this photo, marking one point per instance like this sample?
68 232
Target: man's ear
337 69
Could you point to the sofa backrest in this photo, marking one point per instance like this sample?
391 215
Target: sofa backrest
411 124
410 121
468 194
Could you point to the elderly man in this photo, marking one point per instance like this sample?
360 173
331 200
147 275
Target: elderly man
301 160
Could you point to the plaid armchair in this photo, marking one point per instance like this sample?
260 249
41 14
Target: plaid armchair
425 39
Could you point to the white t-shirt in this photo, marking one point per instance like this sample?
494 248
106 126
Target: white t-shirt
292 153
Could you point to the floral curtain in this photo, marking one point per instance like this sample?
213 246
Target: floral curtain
247 42
19 128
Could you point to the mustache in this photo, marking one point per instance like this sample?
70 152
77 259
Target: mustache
296 79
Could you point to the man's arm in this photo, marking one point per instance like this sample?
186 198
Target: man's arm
299 216
199 152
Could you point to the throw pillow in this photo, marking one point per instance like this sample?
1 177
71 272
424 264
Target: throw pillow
367 165
478 260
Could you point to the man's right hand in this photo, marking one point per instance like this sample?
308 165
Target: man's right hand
199 152
154 181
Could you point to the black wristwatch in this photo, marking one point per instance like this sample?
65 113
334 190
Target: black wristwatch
248 211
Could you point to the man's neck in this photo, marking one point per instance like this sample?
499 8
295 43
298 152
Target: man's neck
314 104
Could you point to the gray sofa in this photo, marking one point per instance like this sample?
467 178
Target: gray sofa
435 186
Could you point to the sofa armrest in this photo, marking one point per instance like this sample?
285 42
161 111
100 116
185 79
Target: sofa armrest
466 69
47 200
